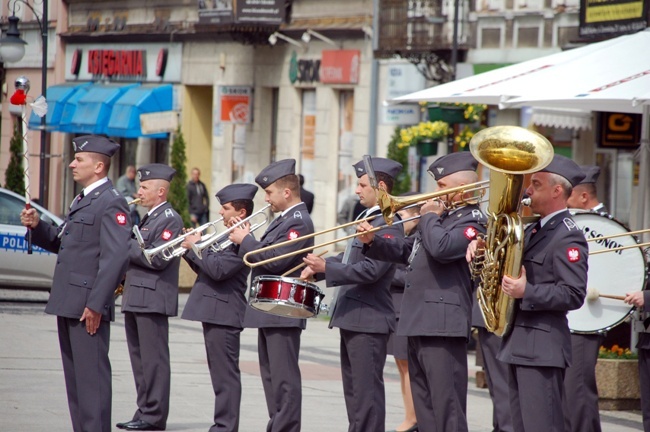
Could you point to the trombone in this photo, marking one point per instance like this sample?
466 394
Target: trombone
638 245
216 240
172 248
389 206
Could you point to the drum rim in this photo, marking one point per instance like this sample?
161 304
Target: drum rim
288 280
293 305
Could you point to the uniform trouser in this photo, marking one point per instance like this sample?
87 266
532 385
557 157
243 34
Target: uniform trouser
278 350
644 381
497 378
581 395
438 372
363 357
87 372
147 336
536 395
222 349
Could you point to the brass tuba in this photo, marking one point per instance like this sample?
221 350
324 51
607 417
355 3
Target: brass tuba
509 152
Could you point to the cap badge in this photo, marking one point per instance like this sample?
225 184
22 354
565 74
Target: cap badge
440 170
265 178
139 175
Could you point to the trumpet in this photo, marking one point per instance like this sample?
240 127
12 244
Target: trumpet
216 240
389 206
135 201
173 248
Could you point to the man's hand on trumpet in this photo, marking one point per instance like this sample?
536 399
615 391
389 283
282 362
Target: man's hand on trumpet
190 239
515 287
238 234
635 299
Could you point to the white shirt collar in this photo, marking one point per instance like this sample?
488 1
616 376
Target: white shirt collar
150 212
88 189
547 218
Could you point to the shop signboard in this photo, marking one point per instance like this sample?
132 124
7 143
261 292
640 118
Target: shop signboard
235 104
610 18
158 122
619 130
241 11
402 79
340 66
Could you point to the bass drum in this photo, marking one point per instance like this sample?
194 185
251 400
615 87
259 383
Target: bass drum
614 273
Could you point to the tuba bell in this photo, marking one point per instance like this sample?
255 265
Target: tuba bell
509 152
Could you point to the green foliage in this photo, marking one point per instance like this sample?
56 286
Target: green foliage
15 173
399 154
177 196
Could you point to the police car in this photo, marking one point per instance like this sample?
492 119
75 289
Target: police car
17 268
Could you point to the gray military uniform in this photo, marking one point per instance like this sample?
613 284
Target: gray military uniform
365 316
92 248
581 403
539 347
643 346
150 297
279 337
496 373
436 313
218 300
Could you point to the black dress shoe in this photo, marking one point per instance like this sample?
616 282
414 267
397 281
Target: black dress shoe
142 425
123 425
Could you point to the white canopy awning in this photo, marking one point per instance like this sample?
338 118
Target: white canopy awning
562 118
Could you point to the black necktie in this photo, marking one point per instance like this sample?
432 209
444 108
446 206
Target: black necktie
80 196
535 230
144 219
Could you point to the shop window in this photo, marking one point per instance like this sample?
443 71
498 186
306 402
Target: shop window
308 137
490 38
346 177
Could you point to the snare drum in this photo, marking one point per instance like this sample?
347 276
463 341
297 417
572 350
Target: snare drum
615 273
287 297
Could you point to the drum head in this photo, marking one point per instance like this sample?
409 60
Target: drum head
616 273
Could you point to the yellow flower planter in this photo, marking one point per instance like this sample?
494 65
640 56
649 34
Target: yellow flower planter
618 384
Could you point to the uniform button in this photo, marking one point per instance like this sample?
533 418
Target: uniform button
408 285
62 247
67 232
532 306
440 298
85 283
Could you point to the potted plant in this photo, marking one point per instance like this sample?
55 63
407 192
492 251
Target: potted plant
455 112
617 379
425 136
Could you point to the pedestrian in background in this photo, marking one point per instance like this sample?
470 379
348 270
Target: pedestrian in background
197 197
306 196
126 185
92 249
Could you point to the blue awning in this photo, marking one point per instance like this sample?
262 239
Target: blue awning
125 116
94 108
70 106
57 96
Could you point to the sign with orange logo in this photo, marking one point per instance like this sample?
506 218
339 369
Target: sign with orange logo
235 104
620 130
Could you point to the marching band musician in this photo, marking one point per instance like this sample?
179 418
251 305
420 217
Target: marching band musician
639 299
218 300
437 301
91 248
150 297
581 403
364 308
279 337
553 281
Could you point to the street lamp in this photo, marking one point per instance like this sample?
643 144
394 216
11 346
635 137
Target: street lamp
12 49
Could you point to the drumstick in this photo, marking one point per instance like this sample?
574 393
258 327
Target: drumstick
301 265
593 294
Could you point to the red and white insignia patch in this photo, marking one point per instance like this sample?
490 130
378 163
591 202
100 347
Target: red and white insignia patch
293 234
166 235
470 233
573 254
120 218
387 236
